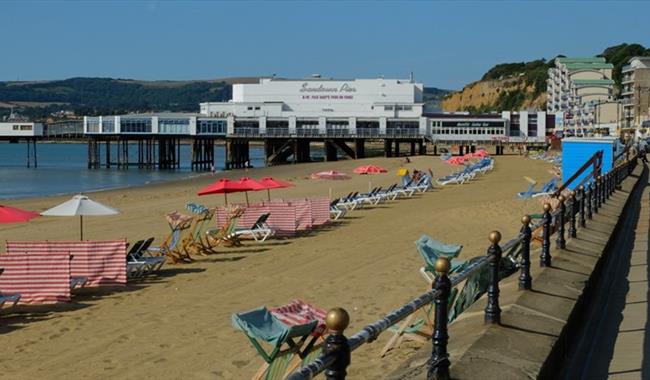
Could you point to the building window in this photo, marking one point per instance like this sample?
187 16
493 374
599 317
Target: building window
16 127
249 108
388 108
25 127
257 108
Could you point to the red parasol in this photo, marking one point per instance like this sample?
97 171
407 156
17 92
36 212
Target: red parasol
369 169
15 215
272 183
223 186
250 185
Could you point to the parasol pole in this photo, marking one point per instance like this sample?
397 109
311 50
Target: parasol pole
246 192
330 193
225 196
81 226
268 192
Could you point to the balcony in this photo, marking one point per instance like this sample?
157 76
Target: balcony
367 132
402 132
246 132
277 132
307 132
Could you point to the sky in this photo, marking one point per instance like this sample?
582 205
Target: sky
444 44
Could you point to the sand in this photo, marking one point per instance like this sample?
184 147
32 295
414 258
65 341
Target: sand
177 325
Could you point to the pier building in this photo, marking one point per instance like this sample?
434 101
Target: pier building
289 116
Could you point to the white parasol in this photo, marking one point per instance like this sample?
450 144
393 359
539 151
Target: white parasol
80 205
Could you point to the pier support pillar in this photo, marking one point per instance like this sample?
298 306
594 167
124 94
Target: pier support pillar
388 148
330 151
360 148
412 148
396 148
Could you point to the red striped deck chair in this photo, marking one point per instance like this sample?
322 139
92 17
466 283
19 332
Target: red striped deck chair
320 211
100 262
295 331
39 278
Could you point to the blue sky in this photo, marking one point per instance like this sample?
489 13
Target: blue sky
445 44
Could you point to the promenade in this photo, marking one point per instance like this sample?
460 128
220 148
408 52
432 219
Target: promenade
616 341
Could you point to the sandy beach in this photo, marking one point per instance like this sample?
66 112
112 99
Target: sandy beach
177 325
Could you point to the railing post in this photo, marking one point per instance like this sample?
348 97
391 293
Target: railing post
599 192
337 320
492 309
439 362
612 183
525 279
590 201
560 241
545 257
603 190
608 186
572 215
583 221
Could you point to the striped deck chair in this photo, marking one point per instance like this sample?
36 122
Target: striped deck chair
225 235
194 242
171 247
292 331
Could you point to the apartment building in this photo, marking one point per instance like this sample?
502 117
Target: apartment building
576 86
635 92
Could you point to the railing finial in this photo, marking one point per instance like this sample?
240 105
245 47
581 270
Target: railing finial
337 320
439 361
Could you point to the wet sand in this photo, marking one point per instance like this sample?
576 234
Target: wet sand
177 325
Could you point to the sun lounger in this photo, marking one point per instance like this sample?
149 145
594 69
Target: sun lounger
289 332
259 231
335 212
225 235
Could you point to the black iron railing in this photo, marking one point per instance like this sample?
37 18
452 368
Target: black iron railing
580 205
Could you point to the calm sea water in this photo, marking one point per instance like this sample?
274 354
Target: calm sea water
62 169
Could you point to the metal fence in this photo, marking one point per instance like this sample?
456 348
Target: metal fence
580 206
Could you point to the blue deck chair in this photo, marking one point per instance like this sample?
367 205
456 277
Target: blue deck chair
431 250
260 325
528 193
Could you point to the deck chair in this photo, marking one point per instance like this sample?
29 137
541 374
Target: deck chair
288 343
225 235
430 250
171 247
259 231
547 189
416 327
4 298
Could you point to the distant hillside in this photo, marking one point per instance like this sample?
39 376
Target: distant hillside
522 85
107 96
91 96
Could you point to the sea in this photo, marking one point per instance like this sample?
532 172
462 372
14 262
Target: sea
62 169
